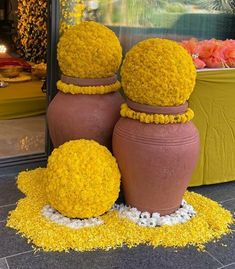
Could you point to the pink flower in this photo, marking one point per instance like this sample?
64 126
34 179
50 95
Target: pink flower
212 53
229 52
192 46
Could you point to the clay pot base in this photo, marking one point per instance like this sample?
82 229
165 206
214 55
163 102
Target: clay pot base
210 223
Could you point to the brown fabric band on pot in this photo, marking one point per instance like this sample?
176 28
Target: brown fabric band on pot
165 110
86 82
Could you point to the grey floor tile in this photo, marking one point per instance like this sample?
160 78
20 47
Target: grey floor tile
229 266
230 205
9 194
4 211
224 249
6 177
219 192
3 264
141 257
10 242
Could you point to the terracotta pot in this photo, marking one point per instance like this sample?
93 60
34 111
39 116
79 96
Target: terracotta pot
156 161
79 116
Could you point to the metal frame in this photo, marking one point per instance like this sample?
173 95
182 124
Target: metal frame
12 165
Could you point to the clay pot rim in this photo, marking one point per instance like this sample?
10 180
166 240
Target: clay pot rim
86 82
152 109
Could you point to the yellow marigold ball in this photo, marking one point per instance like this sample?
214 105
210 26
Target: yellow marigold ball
83 179
89 50
158 72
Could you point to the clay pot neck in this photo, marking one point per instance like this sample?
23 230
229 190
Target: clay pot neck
165 110
86 82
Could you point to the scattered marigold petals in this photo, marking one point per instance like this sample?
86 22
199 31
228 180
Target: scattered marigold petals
211 223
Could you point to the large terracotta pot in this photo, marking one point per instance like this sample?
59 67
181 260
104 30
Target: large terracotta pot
79 116
156 161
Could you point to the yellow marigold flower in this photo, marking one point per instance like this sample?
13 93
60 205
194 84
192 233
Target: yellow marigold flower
89 50
73 89
158 72
83 179
71 13
31 38
127 112
210 223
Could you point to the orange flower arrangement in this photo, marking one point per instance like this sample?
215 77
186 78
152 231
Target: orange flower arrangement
229 52
192 46
211 53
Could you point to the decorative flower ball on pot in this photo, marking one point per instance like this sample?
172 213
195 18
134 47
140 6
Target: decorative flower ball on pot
155 142
83 179
88 102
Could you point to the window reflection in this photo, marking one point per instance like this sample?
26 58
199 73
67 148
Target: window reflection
134 20
23 47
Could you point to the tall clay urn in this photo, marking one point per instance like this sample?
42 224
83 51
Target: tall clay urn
155 142
88 102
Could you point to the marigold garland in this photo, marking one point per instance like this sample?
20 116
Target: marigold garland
210 223
89 50
83 179
127 112
73 89
70 13
158 72
31 40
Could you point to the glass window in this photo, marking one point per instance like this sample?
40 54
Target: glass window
23 47
134 20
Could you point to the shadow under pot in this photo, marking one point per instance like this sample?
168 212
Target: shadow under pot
83 116
156 160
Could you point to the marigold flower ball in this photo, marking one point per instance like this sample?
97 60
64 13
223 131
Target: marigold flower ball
158 72
83 179
89 50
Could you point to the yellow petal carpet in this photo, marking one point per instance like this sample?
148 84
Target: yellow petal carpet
211 222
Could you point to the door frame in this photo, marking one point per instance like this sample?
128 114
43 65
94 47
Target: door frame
12 165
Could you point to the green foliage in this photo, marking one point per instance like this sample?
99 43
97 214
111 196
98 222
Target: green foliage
227 6
144 12
176 8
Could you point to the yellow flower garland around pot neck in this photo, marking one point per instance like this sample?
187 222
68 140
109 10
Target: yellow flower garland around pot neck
127 112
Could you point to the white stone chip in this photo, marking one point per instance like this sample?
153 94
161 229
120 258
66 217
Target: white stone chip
146 219
51 214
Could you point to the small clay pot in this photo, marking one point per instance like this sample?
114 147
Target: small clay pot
156 160
78 116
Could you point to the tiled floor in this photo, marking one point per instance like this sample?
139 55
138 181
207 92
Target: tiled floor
22 136
15 253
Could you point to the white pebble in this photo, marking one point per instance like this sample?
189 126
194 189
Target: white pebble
183 214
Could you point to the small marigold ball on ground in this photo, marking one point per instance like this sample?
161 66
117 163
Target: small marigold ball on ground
158 72
83 179
89 50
